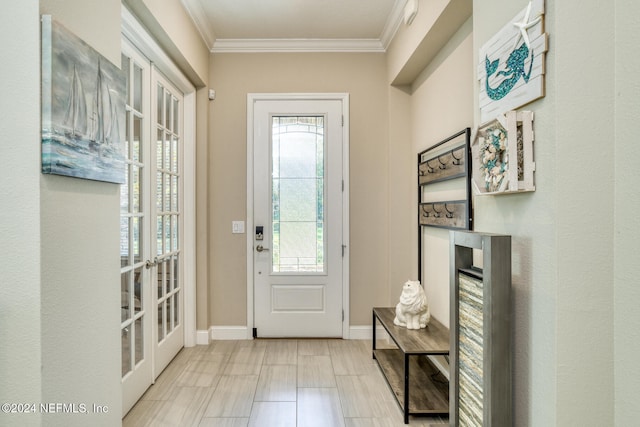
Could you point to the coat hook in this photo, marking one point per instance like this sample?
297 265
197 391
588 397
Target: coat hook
425 213
449 213
443 165
456 161
437 213
430 169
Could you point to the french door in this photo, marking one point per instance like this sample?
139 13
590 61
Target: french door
150 228
298 235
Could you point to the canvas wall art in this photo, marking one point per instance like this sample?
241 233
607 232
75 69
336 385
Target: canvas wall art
83 108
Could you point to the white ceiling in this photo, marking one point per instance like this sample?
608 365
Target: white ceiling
296 25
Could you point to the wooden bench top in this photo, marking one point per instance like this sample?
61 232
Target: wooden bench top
434 339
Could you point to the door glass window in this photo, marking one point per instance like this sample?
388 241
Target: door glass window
167 200
298 194
132 315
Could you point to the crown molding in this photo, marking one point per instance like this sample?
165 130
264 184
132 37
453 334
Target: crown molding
196 12
393 23
199 18
296 45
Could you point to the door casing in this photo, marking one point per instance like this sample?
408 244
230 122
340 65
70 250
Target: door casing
251 99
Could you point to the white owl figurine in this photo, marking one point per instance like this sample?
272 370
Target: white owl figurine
412 311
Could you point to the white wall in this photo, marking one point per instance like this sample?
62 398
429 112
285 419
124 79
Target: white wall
20 351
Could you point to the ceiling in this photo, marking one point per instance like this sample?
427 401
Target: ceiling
296 25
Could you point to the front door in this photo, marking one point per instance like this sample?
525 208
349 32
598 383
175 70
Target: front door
298 217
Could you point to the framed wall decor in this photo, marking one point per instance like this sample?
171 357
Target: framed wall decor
83 108
503 155
511 64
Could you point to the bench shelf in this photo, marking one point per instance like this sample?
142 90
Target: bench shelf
420 388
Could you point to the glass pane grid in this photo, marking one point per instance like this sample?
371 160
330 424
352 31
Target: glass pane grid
298 201
131 217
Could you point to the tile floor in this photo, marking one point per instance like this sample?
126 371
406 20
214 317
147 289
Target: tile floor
269 383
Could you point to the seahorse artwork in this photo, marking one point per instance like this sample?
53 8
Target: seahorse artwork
511 63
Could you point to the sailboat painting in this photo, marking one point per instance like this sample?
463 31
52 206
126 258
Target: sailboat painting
83 108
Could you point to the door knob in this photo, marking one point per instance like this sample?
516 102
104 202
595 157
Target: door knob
260 248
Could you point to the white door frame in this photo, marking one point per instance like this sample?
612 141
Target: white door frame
251 99
132 30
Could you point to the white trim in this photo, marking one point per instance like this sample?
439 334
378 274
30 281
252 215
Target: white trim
203 337
364 333
230 333
189 218
198 16
393 23
297 45
138 36
251 99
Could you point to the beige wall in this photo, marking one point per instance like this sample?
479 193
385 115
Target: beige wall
79 222
20 295
627 203
173 29
441 105
363 77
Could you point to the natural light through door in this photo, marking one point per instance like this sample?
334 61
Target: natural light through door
298 194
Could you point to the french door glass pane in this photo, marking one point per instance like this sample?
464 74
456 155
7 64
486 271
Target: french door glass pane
132 215
298 194
167 196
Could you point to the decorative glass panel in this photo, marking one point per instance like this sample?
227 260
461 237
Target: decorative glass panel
125 297
298 194
137 136
137 243
127 135
176 312
159 104
137 88
175 116
124 193
139 334
161 316
174 155
137 290
136 188
126 350
124 241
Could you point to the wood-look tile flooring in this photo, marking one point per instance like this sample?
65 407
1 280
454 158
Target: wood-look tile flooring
269 383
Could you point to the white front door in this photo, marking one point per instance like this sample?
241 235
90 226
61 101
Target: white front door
297 229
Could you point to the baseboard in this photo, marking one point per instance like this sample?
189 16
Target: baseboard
364 333
241 333
229 333
202 337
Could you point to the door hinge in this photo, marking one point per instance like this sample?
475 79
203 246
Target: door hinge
342 121
343 185
343 248
343 315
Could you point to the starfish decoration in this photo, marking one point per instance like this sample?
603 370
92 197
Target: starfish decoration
524 25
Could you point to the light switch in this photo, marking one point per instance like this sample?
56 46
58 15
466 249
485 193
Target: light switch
237 227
